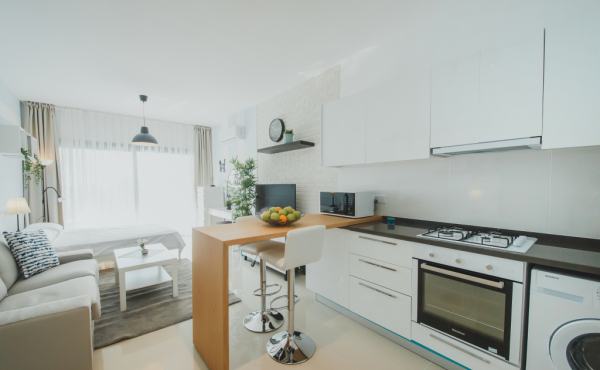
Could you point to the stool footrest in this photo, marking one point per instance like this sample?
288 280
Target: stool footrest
267 294
296 300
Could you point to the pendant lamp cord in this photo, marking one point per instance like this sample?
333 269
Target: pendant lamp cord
144 112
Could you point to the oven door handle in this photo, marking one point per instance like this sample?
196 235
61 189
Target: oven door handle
495 284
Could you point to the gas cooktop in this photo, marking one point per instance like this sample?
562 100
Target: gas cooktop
485 239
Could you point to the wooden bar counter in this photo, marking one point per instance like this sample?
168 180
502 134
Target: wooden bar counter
210 274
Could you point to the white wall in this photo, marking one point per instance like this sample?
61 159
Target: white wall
546 191
243 149
300 110
11 180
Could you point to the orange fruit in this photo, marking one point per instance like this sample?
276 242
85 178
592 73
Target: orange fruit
293 210
282 219
278 208
267 212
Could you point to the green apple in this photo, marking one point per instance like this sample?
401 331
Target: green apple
283 212
288 209
266 216
291 217
275 216
273 210
297 214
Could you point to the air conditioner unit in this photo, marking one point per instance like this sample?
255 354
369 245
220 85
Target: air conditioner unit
232 134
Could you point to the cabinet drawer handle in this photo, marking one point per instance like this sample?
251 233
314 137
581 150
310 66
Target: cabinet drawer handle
377 290
376 240
374 264
460 349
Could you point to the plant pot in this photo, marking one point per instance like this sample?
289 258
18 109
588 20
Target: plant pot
144 251
288 138
229 207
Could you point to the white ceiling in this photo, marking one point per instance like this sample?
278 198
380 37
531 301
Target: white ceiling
200 61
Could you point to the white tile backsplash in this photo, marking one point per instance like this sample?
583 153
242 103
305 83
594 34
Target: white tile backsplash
546 191
508 190
575 195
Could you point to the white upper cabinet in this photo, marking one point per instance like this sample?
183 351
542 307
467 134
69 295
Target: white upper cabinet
512 91
343 131
398 119
496 94
572 85
455 102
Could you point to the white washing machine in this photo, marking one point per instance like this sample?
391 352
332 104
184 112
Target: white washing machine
564 322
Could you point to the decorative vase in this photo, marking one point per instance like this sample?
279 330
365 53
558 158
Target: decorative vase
288 138
144 251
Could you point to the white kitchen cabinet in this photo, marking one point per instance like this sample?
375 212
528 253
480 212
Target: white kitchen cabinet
398 119
572 85
329 277
382 306
343 131
455 102
395 251
386 274
511 91
496 94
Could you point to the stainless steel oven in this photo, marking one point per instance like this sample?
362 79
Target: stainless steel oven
481 310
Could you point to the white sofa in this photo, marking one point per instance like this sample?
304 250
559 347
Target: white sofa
46 321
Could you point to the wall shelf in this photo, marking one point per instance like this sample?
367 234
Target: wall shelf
300 144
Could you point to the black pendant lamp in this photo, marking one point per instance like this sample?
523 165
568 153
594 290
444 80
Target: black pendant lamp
144 138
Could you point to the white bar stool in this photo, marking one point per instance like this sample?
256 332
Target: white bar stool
263 320
302 246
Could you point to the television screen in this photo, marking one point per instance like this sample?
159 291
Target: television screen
275 195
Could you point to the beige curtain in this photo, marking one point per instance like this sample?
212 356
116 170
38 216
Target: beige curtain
203 170
40 121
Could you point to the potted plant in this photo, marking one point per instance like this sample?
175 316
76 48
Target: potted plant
31 167
288 136
243 198
142 243
228 202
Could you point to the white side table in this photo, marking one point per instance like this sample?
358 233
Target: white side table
221 212
134 270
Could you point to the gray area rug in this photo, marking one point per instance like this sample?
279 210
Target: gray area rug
148 309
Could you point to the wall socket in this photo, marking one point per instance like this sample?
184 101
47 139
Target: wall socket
381 199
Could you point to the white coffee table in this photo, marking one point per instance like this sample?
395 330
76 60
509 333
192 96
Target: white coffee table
134 270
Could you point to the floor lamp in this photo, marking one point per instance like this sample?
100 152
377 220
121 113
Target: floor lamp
46 163
17 206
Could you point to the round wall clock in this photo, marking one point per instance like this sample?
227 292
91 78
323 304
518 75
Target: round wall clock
276 130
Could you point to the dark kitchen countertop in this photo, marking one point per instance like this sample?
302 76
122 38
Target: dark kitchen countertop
576 254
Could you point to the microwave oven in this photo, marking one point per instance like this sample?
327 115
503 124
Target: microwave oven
354 204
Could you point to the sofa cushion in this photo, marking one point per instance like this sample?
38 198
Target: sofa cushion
2 290
58 274
67 289
32 251
9 271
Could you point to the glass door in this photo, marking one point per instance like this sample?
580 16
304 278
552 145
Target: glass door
473 307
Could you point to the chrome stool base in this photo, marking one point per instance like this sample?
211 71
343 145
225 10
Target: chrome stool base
290 349
263 322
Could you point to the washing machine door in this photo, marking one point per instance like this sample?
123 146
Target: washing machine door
576 346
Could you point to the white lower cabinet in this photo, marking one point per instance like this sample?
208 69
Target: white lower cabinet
329 277
382 306
461 353
385 274
398 252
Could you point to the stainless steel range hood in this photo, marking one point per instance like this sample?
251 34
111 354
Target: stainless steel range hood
492 146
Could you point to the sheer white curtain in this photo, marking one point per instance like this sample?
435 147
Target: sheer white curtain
107 181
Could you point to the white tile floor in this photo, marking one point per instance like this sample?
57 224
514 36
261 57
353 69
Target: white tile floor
341 343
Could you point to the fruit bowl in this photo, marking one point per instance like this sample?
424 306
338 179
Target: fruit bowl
277 216
278 222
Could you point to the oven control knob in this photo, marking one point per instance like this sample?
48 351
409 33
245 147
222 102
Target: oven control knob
489 267
458 260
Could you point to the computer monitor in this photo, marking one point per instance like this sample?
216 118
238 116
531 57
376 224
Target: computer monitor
275 195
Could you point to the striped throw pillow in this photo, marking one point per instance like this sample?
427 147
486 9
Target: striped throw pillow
32 250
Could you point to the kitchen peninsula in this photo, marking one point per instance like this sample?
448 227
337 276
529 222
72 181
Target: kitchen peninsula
210 276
